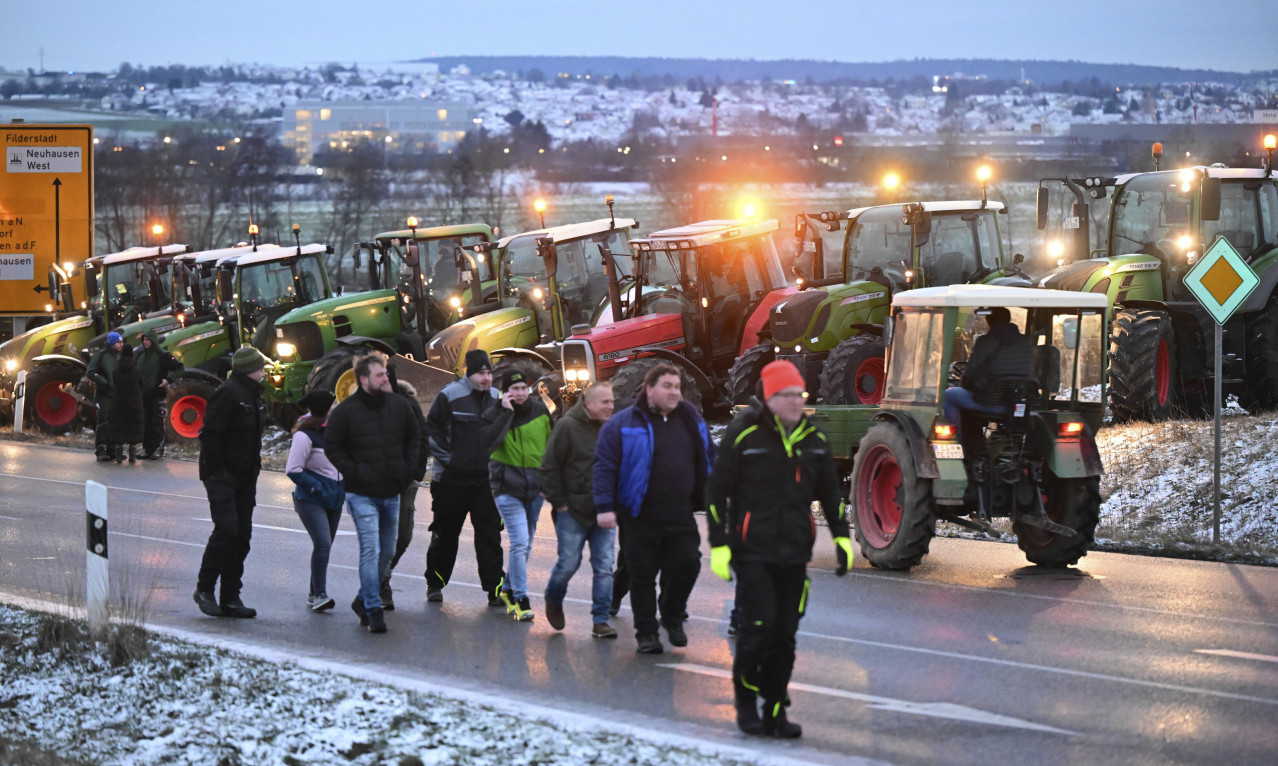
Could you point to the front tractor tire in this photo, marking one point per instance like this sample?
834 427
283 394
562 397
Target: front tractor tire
1142 366
854 372
328 370
895 517
628 381
1074 503
51 406
743 377
185 401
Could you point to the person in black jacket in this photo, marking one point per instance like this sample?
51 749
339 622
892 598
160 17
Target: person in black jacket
373 441
459 481
408 497
1000 354
126 424
101 372
230 461
156 365
772 465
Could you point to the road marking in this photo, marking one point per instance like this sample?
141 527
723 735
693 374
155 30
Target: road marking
1239 655
340 532
932 709
157 539
12 518
203 498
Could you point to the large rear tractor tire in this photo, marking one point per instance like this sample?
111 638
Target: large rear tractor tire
854 372
326 372
743 376
1261 389
895 517
1142 366
185 402
1072 502
628 382
50 404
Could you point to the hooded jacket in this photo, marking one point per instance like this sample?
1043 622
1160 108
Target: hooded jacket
155 364
373 441
517 439
567 468
762 488
455 427
231 438
102 371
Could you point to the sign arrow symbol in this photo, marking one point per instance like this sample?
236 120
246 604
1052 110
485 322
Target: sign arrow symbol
57 220
40 288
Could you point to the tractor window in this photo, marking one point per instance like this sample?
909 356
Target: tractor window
1069 349
733 277
959 247
1150 213
521 253
266 285
127 293
1244 213
439 261
914 366
878 240
664 267
310 279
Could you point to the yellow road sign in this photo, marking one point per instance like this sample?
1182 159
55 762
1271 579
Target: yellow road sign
1221 281
46 209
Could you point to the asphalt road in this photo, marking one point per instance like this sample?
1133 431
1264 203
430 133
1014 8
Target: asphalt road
973 658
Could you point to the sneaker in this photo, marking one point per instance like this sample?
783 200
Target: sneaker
357 606
674 631
603 630
235 608
388 600
523 610
649 644
555 615
376 622
504 598
207 603
435 595
320 602
775 723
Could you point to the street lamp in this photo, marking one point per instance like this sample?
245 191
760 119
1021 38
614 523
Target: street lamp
540 206
891 182
157 231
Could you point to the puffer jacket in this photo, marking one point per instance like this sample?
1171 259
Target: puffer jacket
999 354
455 425
373 442
568 464
231 439
762 488
517 438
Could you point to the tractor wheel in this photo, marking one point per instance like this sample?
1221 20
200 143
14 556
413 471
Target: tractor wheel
1261 391
284 414
854 372
743 377
1142 366
628 382
1072 502
51 407
895 519
185 401
329 368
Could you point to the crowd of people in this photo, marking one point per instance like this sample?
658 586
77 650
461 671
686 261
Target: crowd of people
634 479
129 388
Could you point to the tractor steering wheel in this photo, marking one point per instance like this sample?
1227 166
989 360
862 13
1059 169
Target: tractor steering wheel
956 374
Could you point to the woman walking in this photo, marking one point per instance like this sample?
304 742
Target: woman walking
319 494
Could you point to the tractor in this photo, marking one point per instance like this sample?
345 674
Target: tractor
704 292
1162 340
833 329
1036 463
126 292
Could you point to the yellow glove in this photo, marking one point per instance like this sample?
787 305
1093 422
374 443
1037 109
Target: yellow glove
842 551
721 562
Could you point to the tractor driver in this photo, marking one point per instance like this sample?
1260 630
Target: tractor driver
1002 353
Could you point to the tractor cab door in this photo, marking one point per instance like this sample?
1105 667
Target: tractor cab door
581 278
962 248
1248 217
818 246
734 280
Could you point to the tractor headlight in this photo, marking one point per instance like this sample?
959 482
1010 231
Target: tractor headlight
10 365
455 302
570 375
283 349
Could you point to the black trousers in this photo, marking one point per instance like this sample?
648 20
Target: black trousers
153 423
450 504
771 598
102 430
404 536
231 506
669 549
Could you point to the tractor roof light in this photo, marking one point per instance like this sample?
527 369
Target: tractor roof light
1055 248
983 174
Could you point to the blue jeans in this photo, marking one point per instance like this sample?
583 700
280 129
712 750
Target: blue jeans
520 518
376 525
959 399
321 525
572 539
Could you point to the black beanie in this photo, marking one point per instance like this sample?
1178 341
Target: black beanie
476 361
511 377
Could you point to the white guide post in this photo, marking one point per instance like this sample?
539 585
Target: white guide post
95 500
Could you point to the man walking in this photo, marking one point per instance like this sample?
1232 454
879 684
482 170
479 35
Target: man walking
773 465
567 477
102 372
459 481
651 465
373 441
230 460
155 365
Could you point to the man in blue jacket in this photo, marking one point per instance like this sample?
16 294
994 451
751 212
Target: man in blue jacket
660 435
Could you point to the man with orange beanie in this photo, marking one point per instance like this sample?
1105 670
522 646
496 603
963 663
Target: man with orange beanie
772 465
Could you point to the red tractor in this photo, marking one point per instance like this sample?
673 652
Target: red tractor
702 295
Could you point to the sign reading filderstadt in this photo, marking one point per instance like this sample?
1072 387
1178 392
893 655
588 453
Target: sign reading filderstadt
1221 281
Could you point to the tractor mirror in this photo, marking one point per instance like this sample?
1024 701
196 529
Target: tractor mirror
1040 209
412 256
1210 204
54 282
887 333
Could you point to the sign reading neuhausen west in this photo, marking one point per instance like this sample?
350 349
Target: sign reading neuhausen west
46 209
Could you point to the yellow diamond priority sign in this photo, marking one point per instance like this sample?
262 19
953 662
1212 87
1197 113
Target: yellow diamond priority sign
1221 281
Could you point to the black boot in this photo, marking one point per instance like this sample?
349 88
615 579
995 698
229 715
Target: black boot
133 454
775 724
747 704
117 453
233 607
388 599
376 623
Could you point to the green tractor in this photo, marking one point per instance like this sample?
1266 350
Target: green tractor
832 330
1162 339
126 293
1037 464
549 281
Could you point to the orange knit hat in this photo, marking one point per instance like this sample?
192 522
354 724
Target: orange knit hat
778 375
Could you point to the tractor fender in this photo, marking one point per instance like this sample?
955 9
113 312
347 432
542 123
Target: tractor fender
1067 459
199 374
523 353
79 363
924 458
869 329
1260 296
1145 305
363 340
681 362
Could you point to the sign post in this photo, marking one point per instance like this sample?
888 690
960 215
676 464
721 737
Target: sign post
1221 281
46 210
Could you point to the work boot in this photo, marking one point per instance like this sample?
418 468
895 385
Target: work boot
388 600
233 607
133 455
747 704
376 622
117 454
555 615
648 643
434 595
603 630
674 631
775 723
206 601
357 606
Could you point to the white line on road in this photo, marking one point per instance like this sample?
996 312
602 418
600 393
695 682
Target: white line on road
340 532
203 498
933 709
1239 655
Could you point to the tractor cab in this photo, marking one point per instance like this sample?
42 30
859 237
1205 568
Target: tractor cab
257 288
194 281
128 286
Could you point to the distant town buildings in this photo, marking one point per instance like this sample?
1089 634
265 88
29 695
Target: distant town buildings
416 125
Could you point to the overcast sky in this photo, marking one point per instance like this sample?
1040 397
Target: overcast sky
1239 35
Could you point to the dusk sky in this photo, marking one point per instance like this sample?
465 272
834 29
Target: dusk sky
1239 35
